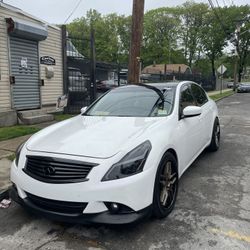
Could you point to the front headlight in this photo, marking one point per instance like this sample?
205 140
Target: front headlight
131 164
18 152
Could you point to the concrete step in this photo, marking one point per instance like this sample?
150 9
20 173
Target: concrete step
30 120
30 117
43 111
30 113
55 111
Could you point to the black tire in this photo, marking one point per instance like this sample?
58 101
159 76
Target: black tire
215 141
162 206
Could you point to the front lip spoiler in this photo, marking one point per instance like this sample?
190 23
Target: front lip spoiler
99 218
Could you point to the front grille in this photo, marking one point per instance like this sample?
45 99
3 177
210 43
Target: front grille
57 206
53 170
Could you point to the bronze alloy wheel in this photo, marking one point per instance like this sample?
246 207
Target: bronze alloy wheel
168 181
166 186
215 140
217 135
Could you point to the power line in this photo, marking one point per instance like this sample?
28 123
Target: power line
221 14
217 16
219 8
218 4
73 11
230 2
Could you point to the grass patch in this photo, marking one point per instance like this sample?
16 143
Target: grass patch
11 157
7 133
220 96
63 117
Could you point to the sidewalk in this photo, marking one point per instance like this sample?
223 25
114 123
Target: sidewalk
216 92
8 147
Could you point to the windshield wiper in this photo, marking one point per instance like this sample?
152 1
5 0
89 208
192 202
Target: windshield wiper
159 93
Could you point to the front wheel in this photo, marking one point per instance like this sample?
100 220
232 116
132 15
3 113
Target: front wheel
215 141
166 186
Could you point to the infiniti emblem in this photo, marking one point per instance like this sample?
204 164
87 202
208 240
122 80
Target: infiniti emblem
49 170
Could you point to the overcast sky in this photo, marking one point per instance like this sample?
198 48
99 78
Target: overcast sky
56 11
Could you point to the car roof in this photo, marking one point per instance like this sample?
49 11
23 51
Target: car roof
160 86
163 85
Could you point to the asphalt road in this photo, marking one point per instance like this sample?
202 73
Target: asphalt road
212 209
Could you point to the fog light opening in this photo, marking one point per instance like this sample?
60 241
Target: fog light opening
114 208
117 208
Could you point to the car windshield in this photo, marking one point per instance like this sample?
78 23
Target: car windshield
133 101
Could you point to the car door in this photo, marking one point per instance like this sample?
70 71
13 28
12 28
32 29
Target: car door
189 129
206 115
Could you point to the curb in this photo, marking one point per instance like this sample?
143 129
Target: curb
224 97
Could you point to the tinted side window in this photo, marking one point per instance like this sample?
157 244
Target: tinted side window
199 94
187 98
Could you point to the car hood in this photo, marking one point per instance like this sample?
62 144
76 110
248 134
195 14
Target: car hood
89 136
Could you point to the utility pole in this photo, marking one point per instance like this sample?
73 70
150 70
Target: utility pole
136 40
236 55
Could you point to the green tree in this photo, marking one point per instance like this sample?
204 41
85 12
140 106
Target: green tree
111 35
202 66
213 39
190 34
240 17
160 39
78 30
192 21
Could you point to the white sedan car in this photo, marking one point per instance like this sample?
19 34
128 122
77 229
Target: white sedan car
120 159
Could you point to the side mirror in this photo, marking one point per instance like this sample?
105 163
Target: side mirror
191 111
83 110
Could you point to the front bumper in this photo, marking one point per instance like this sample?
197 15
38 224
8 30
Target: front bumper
135 193
99 218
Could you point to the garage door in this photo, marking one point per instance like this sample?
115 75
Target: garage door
25 70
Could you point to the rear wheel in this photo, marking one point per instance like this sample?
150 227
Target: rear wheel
166 186
215 141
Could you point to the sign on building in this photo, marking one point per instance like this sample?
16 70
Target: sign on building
47 60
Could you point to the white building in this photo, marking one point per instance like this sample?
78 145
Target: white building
31 63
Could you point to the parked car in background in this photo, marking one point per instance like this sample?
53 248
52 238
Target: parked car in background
244 87
77 82
230 85
103 86
77 88
121 159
